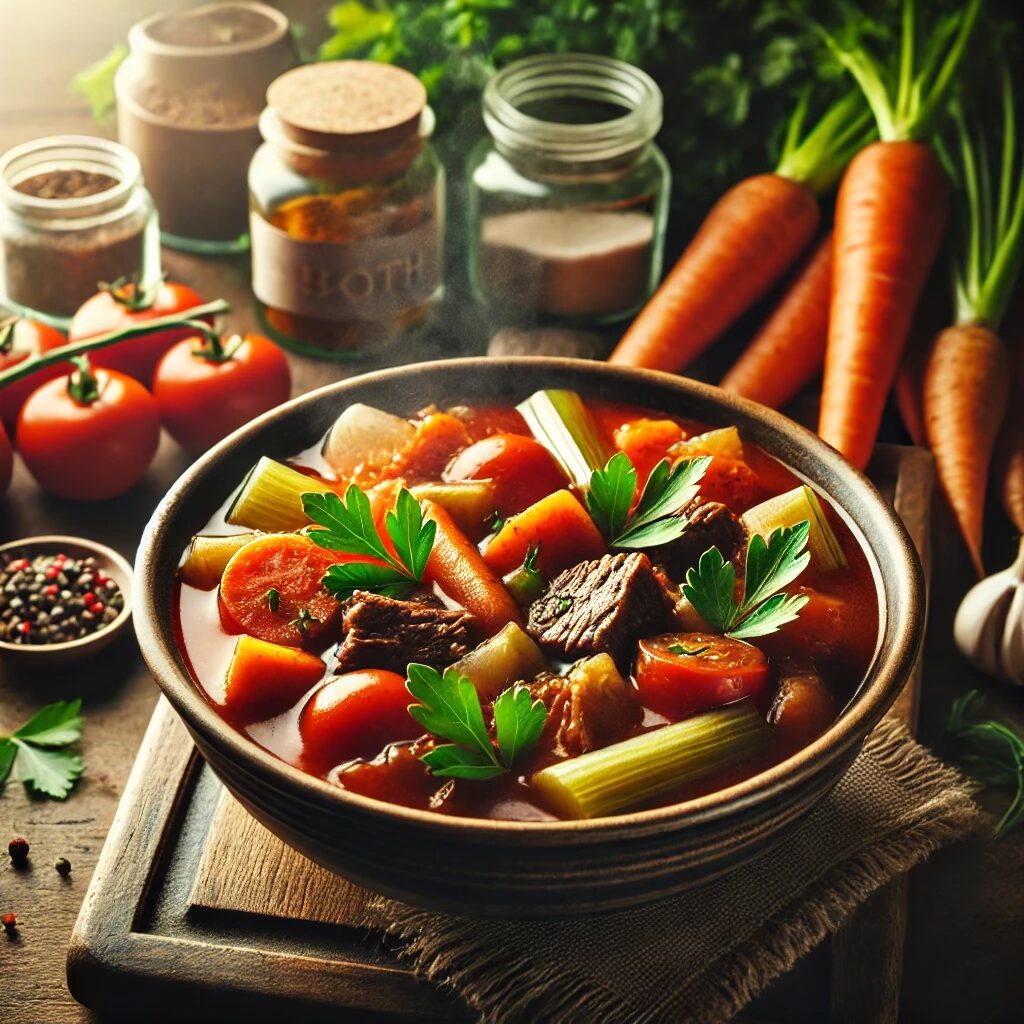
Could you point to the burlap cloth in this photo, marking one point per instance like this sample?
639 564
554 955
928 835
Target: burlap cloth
702 955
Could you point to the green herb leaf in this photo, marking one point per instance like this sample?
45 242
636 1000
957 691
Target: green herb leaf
461 763
611 494
682 651
711 589
994 754
770 616
55 725
347 525
344 579
8 752
47 771
518 723
772 565
667 491
273 599
449 707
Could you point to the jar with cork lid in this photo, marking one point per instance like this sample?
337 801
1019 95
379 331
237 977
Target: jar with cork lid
568 195
346 209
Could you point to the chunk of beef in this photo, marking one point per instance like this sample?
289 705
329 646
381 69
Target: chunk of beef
603 606
591 707
710 524
382 632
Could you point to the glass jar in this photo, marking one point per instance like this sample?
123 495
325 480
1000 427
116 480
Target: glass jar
73 212
346 209
568 197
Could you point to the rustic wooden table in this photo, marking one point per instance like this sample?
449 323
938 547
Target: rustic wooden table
966 927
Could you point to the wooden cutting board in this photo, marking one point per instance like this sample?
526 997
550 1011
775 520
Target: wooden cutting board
195 909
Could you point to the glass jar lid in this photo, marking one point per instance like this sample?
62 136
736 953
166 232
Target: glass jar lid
574 107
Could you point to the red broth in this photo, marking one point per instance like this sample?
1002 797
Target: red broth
840 653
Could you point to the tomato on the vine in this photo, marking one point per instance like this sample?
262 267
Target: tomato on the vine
21 338
6 461
121 305
89 435
208 388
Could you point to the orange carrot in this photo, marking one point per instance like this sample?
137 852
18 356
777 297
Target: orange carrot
890 219
747 242
459 569
966 387
558 526
265 679
789 349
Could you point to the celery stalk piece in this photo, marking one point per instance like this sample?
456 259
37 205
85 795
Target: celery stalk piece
563 424
470 502
506 658
791 508
271 498
636 771
207 556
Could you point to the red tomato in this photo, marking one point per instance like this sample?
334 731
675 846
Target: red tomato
679 674
522 469
203 399
6 461
19 339
114 309
89 446
356 715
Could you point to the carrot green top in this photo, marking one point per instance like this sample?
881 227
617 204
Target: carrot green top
908 101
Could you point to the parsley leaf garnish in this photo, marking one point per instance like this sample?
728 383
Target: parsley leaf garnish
770 566
993 754
43 765
654 520
347 525
449 707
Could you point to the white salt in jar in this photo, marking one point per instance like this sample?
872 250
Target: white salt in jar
568 196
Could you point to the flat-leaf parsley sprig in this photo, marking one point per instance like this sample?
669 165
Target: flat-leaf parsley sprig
655 519
45 764
770 566
449 707
347 525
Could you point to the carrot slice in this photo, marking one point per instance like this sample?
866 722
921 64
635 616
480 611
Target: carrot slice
647 442
291 565
458 568
266 679
559 524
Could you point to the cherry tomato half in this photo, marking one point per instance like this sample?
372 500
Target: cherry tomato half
205 397
522 469
88 441
19 339
6 461
679 674
356 714
115 308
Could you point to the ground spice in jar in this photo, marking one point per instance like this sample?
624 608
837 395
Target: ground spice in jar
52 599
65 184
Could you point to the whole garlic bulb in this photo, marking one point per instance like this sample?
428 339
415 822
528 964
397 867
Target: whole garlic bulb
989 625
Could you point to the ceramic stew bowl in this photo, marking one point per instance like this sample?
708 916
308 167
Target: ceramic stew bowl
526 868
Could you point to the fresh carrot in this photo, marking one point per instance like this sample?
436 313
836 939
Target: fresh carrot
265 679
968 376
271 590
459 569
558 526
890 219
789 349
751 237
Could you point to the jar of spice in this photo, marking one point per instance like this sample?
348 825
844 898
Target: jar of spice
346 208
568 196
189 97
73 212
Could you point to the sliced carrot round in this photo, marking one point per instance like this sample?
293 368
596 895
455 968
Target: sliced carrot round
272 589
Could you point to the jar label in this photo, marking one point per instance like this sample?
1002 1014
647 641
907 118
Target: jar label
369 279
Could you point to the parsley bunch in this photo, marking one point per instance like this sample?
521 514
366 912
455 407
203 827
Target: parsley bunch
348 526
39 747
654 520
770 565
449 707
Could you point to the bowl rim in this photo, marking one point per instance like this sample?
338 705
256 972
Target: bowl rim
57 540
888 670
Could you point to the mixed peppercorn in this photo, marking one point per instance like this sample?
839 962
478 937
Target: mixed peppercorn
51 599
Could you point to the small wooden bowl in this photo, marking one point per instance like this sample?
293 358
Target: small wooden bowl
527 868
46 656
